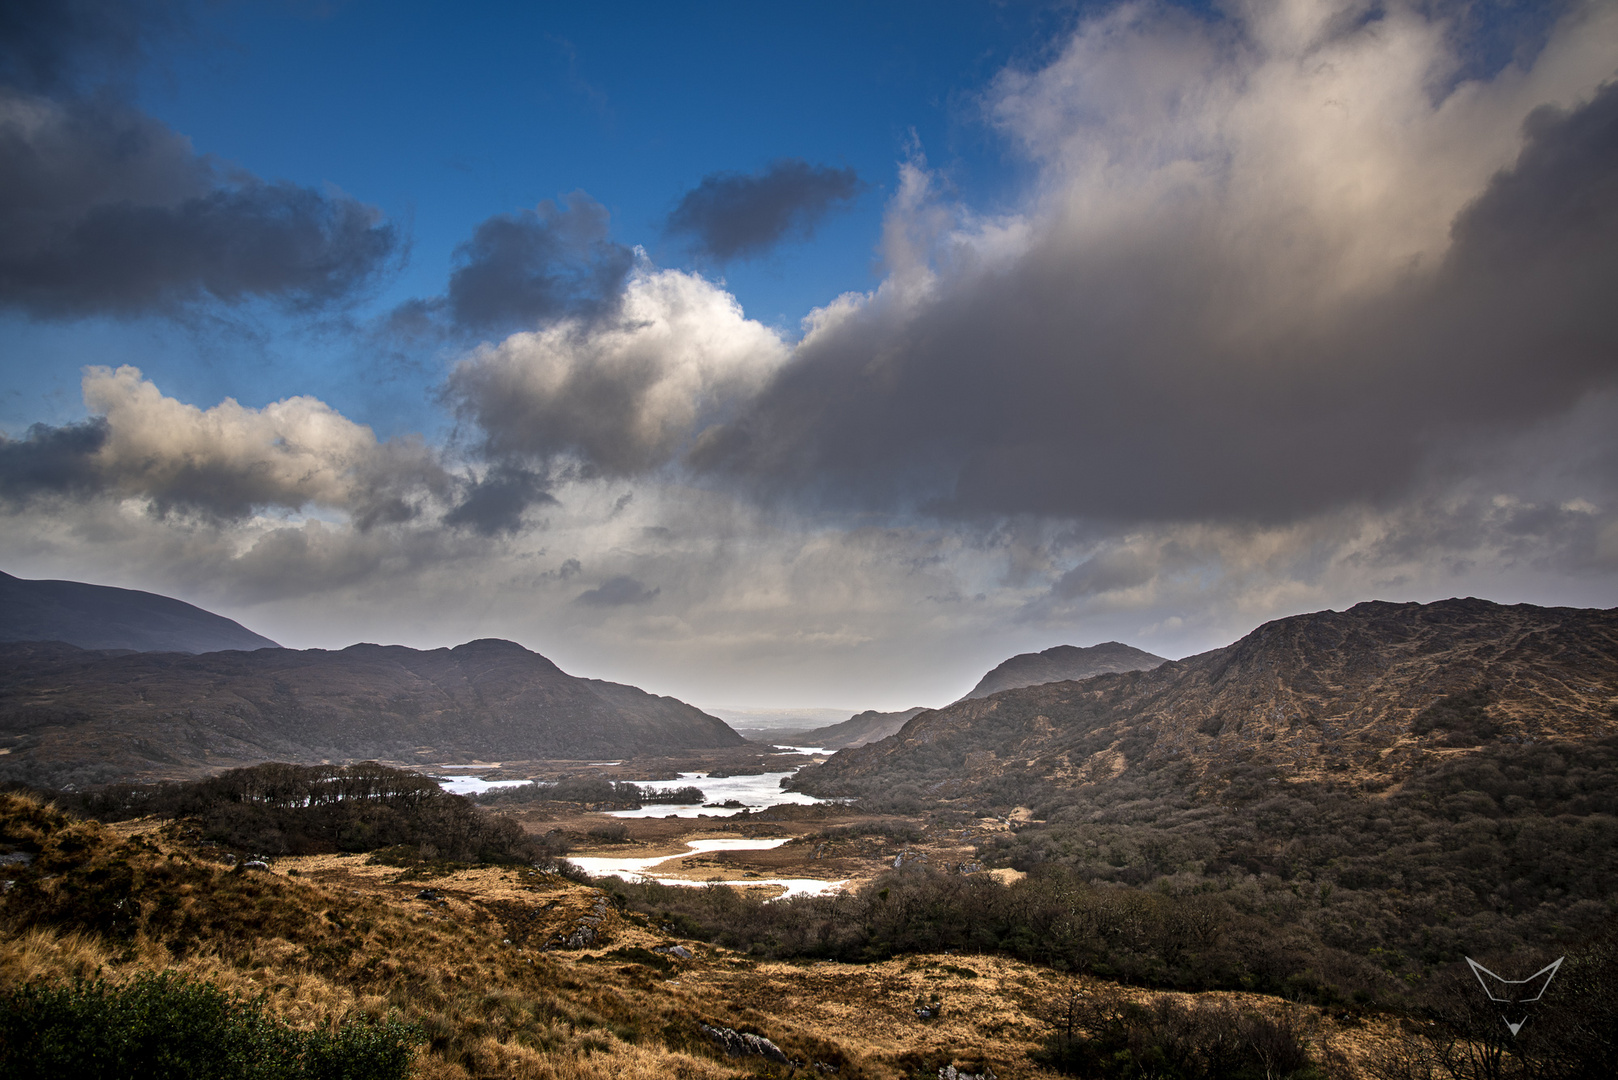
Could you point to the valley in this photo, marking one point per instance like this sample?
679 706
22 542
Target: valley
1299 838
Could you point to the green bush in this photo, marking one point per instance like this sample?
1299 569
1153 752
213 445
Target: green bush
282 809
1111 1039
165 1025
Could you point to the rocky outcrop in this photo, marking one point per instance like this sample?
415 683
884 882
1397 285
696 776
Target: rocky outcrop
745 1044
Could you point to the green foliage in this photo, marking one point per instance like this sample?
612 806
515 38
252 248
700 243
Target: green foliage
169 1026
1108 1038
1315 891
1463 716
282 809
1458 1034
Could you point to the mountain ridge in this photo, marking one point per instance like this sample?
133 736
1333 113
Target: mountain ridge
1364 694
1063 663
108 617
98 715
857 730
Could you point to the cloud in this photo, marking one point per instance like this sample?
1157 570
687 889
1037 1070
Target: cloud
1298 310
107 211
525 269
227 462
496 502
737 215
622 396
1264 273
617 592
48 46
52 460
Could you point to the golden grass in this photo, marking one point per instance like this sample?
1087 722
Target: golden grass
343 938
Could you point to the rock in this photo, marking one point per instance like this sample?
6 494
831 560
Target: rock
744 1044
428 895
679 952
255 864
582 937
951 1072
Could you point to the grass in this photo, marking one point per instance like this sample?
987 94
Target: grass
343 941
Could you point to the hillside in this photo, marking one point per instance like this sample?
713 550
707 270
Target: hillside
79 716
1362 695
102 617
857 730
1063 663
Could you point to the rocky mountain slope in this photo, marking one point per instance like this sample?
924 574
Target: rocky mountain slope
102 617
1063 663
73 715
1363 694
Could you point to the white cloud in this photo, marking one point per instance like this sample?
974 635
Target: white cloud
294 454
624 395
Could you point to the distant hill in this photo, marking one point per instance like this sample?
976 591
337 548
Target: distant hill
103 617
857 730
1062 663
79 716
1361 696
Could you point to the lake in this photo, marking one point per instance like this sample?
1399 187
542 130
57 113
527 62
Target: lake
602 866
753 792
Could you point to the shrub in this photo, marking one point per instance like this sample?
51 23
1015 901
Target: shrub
170 1026
1101 1036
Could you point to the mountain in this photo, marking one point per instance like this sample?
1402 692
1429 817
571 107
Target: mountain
102 617
1363 695
857 730
80 716
1064 663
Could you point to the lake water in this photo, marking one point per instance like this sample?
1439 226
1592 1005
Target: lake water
601 866
472 785
753 792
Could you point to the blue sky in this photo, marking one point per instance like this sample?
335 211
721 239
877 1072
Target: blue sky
444 115
809 355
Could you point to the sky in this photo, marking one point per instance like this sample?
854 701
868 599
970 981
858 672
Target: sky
790 356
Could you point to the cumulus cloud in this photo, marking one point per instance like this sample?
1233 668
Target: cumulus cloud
227 461
523 269
623 396
740 215
1267 271
107 211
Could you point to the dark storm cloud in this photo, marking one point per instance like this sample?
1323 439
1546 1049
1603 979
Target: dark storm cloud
47 46
495 504
1103 378
52 460
731 215
617 592
106 211
523 269
1560 200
